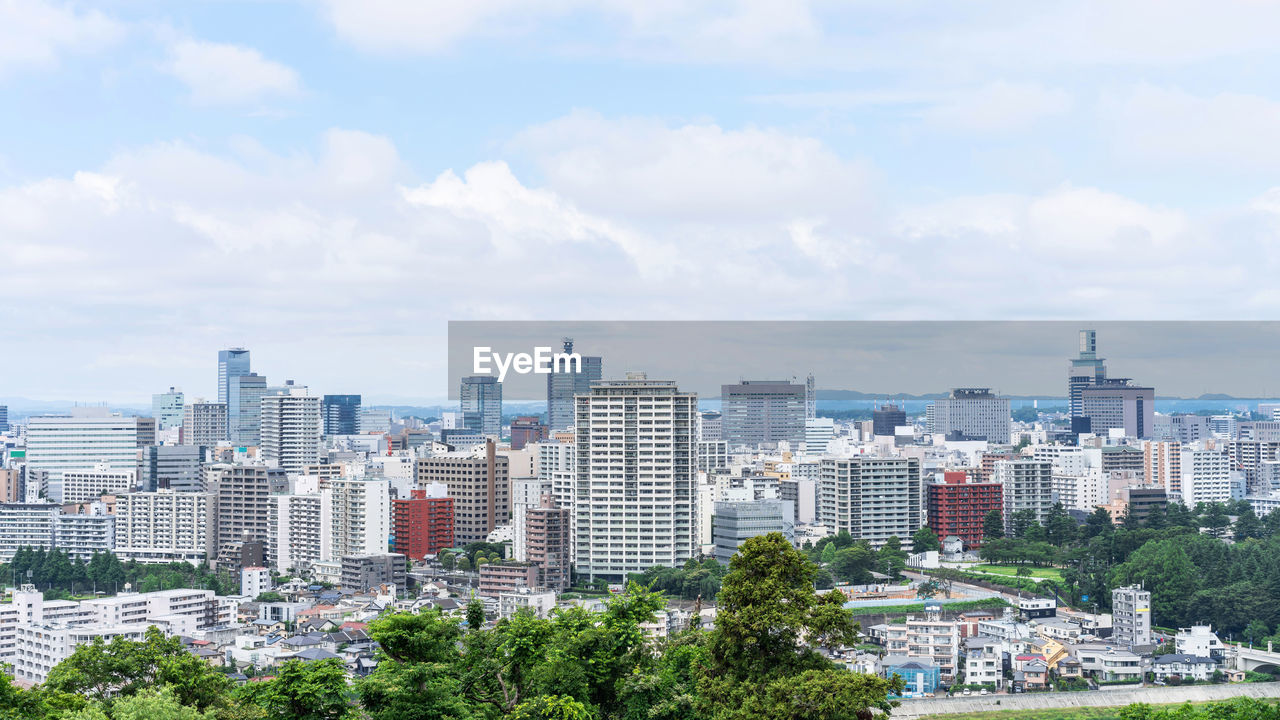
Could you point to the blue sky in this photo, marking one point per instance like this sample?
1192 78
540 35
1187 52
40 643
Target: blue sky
330 182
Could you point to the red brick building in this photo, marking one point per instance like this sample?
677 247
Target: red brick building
422 525
958 507
525 430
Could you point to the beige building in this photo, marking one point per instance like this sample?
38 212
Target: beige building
480 485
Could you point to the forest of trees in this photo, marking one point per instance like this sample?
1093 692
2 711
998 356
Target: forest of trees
760 661
60 575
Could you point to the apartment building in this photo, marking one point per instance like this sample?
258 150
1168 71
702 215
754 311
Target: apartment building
165 526
873 498
480 485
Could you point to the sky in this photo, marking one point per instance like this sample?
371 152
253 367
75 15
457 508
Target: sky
330 182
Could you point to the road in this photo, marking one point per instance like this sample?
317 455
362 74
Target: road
925 707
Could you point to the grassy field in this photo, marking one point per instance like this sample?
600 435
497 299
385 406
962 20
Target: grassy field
1012 571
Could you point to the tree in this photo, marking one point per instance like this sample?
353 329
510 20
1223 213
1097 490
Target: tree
761 660
1256 630
301 690
475 615
416 677
924 540
464 564
1020 521
993 525
853 564
1162 567
447 559
551 707
891 559
1059 528
829 554
269 597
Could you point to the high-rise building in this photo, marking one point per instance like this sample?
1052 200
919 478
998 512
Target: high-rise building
885 418
86 440
363 572
1118 404
26 525
421 525
564 383
80 486
710 426
204 423
231 362
361 515
166 526
291 429
341 414
86 533
526 492
546 543
166 408
1162 465
1086 370
244 408
171 467
818 433
1130 616
481 400
4 419
1026 484
972 414
526 430
810 397
301 530
1209 476
242 494
479 483
873 498
958 507
762 411
636 486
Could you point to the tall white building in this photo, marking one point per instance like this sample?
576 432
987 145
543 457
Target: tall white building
361 516
292 425
204 423
301 530
1027 485
874 498
1207 476
83 534
635 488
26 525
165 526
88 439
88 485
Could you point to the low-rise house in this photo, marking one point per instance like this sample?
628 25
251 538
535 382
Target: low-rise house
1108 664
984 662
1193 667
1035 676
1199 640
1069 668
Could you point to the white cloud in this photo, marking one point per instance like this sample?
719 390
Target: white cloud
222 74
998 107
33 32
1164 126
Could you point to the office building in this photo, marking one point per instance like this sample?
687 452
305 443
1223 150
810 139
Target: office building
341 414
291 429
1086 370
244 408
1026 484
4 419
480 397
886 418
479 483
363 572
171 467
762 411
204 424
971 414
231 363
635 486
1208 476
89 439
733 523
1118 404
873 498
818 433
166 526
526 430
564 384
957 507
1130 617
166 408
711 426
421 525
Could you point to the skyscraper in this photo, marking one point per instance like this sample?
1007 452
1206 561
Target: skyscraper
972 414
481 400
4 418
291 429
635 460
873 498
1118 404
231 362
166 408
244 408
762 411
341 414
480 485
885 418
204 423
1084 371
563 386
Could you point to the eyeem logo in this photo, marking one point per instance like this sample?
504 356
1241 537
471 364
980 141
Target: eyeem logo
541 362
